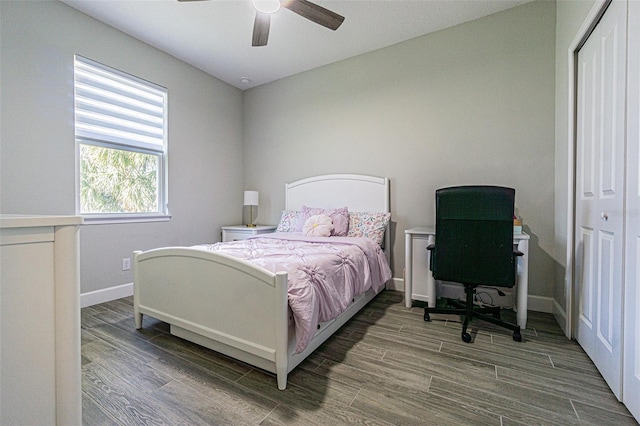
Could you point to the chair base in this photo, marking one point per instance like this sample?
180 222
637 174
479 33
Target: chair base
470 311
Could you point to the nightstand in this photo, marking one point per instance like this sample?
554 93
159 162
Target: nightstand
241 232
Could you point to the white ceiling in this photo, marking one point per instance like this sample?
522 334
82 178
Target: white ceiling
215 35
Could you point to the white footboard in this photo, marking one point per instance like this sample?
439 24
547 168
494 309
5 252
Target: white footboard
206 296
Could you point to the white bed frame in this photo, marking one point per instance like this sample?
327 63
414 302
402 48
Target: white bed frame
239 309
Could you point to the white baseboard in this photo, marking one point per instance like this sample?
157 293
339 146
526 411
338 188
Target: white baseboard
395 284
485 294
561 317
534 303
105 295
540 304
112 293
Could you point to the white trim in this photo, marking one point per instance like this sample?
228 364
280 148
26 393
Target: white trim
106 295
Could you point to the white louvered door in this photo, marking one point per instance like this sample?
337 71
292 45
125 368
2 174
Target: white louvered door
600 193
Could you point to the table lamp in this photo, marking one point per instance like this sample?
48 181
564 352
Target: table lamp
251 200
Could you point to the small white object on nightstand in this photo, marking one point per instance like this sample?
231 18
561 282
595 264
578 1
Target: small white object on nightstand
241 232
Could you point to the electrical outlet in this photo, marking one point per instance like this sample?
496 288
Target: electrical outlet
126 264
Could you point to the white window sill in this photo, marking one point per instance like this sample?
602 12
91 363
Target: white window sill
98 219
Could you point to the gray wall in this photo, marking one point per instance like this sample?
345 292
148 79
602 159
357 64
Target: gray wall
470 104
37 173
473 104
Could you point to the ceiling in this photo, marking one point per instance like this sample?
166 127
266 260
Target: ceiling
215 35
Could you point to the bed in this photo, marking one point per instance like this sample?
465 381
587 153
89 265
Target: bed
235 306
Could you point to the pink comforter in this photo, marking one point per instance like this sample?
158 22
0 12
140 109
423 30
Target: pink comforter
324 274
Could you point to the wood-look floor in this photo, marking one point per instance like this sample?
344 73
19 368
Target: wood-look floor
384 367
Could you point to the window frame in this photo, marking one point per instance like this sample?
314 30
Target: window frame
127 146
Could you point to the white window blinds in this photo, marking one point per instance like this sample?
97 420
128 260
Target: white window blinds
116 108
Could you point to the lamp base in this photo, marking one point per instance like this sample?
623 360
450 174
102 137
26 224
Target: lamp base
249 223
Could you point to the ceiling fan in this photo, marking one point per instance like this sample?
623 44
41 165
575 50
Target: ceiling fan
304 8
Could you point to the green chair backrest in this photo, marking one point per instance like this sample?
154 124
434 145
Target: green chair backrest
474 236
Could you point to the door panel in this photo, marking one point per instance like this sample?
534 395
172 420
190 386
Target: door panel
606 290
586 278
613 58
600 193
586 133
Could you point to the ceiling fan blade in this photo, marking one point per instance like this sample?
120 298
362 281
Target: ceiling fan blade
315 13
261 29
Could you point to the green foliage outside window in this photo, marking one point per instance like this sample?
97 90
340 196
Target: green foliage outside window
117 181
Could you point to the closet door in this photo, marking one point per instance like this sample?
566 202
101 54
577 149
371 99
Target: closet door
600 193
631 365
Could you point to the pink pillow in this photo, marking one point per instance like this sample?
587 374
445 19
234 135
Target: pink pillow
340 218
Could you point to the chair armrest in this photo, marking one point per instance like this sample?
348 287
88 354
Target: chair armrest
431 248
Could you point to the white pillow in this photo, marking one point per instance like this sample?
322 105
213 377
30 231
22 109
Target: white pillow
319 225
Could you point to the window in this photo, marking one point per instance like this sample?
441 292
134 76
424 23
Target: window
121 135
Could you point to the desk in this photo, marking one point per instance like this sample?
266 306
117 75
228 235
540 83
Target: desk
420 285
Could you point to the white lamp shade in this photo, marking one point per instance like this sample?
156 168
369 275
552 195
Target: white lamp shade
267 6
250 198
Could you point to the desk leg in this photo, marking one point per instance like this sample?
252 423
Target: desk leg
408 269
522 288
431 283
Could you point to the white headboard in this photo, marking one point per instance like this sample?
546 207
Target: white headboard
359 193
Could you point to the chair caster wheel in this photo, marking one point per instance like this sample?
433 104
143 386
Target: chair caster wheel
517 336
427 317
466 337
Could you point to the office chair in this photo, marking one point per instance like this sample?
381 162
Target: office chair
474 246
